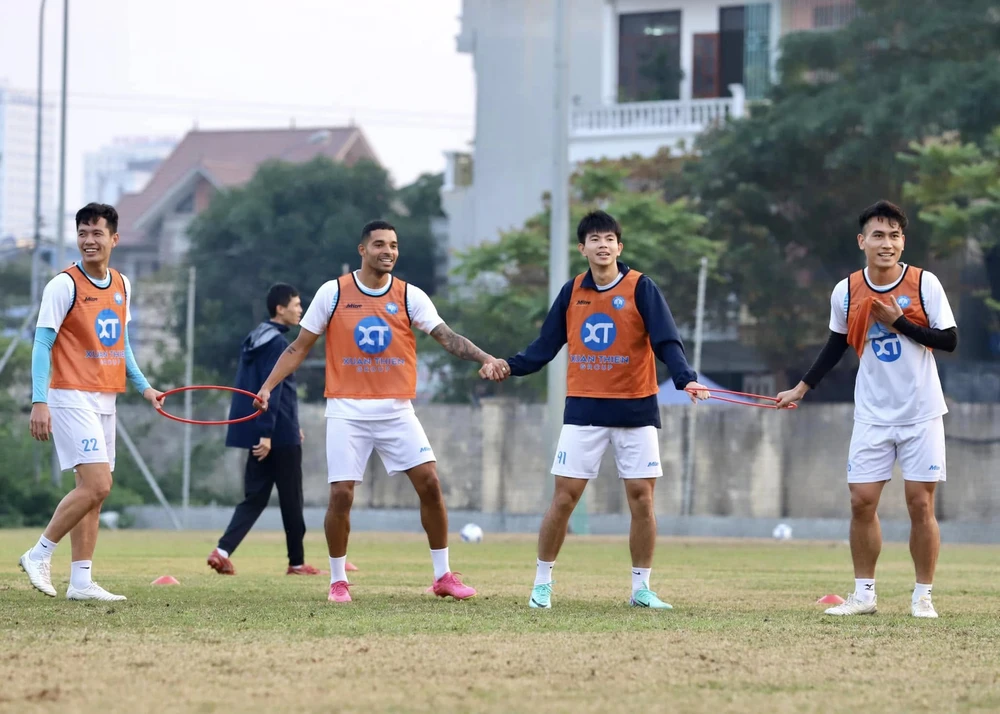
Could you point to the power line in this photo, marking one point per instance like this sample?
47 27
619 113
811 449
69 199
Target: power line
169 104
367 120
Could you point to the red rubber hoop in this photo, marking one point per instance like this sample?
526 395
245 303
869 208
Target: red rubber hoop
713 392
210 423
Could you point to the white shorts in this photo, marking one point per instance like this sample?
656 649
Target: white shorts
400 442
581 448
918 447
83 437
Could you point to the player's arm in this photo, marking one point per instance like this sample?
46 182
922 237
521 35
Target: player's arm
291 359
831 354
138 379
543 348
57 298
41 372
266 422
424 316
664 337
313 324
132 371
942 334
458 345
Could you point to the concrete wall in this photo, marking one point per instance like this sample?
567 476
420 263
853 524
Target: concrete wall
748 463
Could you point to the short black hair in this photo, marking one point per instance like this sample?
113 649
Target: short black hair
279 294
883 209
372 226
598 222
93 212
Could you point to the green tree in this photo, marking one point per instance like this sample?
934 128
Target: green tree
295 223
420 254
783 188
508 298
957 186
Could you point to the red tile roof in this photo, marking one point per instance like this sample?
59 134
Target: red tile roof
231 157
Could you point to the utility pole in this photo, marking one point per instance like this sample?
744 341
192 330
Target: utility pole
559 231
61 218
188 379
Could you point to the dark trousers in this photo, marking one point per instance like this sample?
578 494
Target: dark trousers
282 468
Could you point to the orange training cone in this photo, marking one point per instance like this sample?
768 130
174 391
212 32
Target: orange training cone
830 600
165 580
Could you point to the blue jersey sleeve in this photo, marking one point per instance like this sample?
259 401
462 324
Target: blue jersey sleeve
135 375
41 364
549 341
663 335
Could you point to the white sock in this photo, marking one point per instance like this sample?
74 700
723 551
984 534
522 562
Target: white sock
80 576
920 591
338 570
543 572
864 589
640 578
43 549
440 560
223 553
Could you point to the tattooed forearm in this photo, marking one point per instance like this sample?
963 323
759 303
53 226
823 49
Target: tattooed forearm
290 360
458 345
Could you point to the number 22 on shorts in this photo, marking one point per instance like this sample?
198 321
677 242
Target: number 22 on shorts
89 445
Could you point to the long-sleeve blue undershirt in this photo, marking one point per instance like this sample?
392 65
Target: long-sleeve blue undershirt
664 340
41 365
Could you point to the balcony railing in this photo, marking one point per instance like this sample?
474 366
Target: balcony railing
690 115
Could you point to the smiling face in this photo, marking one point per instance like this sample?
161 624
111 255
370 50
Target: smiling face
601 249
95 241
882 240
380 251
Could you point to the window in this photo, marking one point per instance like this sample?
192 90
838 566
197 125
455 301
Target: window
649 56
745 49
757 50
186 205
705 82
731 43
830 17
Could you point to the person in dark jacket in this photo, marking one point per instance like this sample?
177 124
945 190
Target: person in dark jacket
273 440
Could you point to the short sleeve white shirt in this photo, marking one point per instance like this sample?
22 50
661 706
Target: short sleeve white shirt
898 382
424 316
57 299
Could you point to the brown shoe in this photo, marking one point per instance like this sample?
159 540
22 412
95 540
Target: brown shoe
221 565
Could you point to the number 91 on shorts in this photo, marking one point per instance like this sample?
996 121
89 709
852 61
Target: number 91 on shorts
581 448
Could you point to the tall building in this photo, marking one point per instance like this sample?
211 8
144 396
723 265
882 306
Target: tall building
124 167
643 75
17 164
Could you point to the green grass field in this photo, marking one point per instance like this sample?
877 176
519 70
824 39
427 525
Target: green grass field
745 634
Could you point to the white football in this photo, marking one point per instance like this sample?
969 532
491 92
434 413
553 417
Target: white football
471 533
782 531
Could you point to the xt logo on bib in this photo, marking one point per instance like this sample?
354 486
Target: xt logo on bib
598 332
372 335
108 328
885 344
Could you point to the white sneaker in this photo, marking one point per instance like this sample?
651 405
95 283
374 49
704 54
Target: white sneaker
923 608
854 606
39 573
91 592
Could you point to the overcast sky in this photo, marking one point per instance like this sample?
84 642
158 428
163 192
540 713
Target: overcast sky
157 67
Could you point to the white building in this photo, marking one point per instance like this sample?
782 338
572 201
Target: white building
18 116
124 167
643 75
